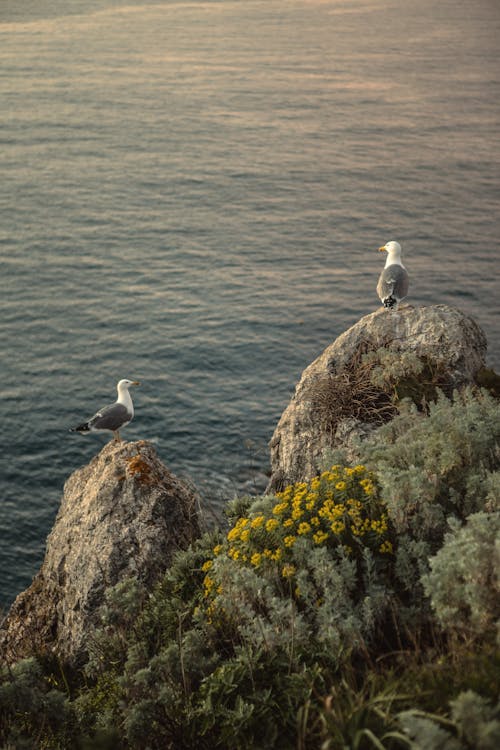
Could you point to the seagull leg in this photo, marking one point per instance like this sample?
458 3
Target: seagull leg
117 437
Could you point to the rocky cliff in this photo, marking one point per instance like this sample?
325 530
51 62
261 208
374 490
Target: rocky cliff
122 515
351 387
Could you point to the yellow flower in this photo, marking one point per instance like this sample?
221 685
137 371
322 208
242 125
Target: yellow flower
297 513
280 508
276 555
319 537
289 541
367 486
207 565
236 530
338 510
218 549
386 547
315 521
288 570
337 527
256 559
325 510
288 523
233 534
341 486
304 528
272 524
257 521
208 583
234 553
245 535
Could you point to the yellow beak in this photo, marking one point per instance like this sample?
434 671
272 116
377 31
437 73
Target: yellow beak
381 249
135 382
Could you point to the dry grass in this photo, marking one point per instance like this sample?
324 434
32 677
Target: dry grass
350 393
370 385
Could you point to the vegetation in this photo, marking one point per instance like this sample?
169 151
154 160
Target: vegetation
358 610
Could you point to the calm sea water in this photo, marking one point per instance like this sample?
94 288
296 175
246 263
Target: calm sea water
193 193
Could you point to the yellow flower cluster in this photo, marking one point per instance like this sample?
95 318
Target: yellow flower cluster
339 508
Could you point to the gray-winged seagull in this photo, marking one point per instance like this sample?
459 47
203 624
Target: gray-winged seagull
392 285
112 417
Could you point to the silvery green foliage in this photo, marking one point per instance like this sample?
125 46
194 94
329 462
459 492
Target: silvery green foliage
474 725
425 734
30 707
334 600
392 366
477 720
255 612
464 579
431 466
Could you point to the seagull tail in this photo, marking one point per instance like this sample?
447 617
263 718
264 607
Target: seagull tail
83 427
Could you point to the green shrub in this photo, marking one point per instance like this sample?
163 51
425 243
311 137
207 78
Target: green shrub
464 579
474 724
430 467
314 561
306 623
33 713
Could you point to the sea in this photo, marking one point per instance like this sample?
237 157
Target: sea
193 193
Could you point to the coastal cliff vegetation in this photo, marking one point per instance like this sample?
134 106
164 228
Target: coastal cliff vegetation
359 609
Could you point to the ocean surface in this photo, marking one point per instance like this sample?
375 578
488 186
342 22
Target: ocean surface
193 193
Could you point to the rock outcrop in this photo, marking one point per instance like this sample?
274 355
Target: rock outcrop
336 399
122 515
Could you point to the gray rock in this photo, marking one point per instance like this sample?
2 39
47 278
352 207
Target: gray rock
123 515
335 402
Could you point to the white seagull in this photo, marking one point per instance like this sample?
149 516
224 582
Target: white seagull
392 285
112 417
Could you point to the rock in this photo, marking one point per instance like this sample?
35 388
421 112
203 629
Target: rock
123 515
336 400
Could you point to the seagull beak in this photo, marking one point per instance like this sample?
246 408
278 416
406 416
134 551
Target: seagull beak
381 249
135 382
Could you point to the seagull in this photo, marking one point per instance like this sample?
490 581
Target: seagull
114 416
392 285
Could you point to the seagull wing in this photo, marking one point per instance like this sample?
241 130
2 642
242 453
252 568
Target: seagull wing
111 417
393 282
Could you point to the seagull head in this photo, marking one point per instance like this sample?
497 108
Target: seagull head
393 248
125 383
